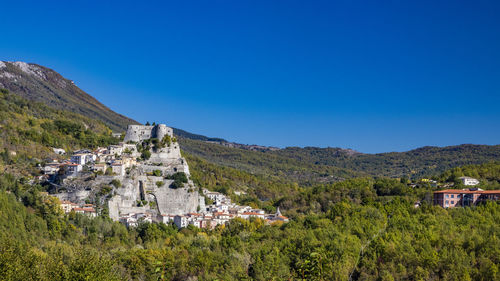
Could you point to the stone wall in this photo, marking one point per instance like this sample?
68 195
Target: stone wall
138 133
176 201
78 196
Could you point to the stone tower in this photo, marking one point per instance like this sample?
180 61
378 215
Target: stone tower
137 133
161 130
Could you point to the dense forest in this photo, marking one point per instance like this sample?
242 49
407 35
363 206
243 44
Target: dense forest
345 224
367 229
311 164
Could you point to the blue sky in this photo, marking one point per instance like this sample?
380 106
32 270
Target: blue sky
374 76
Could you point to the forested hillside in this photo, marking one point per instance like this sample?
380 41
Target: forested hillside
305 165
369 230
29 130
352 216
315 165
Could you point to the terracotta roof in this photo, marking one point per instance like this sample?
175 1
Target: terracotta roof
459 191
253 213
490 191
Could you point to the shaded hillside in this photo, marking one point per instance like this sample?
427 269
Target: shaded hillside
419 162
312 164
266 163
188 135
41 84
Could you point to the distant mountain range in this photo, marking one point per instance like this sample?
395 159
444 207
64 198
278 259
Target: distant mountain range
41 84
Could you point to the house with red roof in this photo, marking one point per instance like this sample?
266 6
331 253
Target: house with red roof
450 198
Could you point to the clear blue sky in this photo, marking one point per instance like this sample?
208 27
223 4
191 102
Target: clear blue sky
374 76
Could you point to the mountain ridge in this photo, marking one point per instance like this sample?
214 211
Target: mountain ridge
41 84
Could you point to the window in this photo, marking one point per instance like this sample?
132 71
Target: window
446 202
452 202
447 196
452 196
458 196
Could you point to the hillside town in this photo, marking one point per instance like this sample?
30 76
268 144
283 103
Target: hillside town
143 179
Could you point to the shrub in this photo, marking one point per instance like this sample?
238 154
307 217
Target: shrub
179 178
116 183
145 155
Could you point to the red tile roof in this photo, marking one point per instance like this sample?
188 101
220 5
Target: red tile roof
460 191
253 214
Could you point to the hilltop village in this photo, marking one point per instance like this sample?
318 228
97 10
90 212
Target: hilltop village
144 178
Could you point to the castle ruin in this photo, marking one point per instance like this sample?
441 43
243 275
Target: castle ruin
137 133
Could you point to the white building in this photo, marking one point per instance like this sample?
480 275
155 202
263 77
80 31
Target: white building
217 197
89 211
59 151
181 221
51 168
115 149
469 181
100 167
129 220
73 169
118 169
166 219
248 215
78 159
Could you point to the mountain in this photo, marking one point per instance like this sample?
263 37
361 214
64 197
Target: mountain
38 83
29 130
188 135
307 165
323 165
424 161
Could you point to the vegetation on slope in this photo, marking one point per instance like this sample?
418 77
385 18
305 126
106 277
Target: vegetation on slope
323 165
362 228
266 163
305 165
41 84
362 235
416 163
29 130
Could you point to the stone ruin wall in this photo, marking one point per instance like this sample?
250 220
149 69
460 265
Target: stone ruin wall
138 133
